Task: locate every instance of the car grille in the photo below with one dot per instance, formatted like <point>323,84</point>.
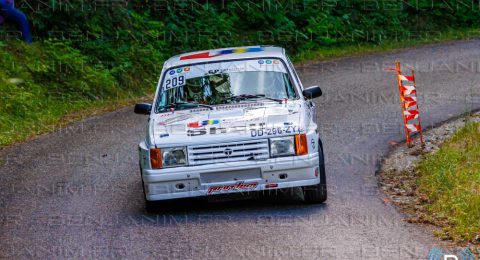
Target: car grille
<point>228,152</point>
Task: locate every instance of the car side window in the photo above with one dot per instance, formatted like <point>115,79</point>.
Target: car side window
<point>294,72</point>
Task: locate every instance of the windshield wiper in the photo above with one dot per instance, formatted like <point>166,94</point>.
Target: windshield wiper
<point>178,104</point>
<point>248,96</point>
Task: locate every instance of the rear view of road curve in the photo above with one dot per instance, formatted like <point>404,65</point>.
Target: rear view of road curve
<point>77,192</point>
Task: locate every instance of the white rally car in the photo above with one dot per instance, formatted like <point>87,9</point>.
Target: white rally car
<point>229,121</point>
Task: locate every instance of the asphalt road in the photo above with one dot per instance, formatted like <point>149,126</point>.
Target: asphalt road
<point>77,193</point>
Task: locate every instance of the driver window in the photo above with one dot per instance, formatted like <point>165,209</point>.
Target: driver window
<point>297,79</point>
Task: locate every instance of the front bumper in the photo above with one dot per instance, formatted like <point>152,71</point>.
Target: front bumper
<point>232,177</point>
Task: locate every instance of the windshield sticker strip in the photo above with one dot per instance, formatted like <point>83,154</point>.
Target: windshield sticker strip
<point>208,55</point>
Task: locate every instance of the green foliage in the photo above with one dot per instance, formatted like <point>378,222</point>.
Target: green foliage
<point>89,51</point>
<point>107,30</point>
<point>451,180</point>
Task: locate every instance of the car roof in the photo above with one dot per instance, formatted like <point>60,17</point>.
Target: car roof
<point>225,54</point>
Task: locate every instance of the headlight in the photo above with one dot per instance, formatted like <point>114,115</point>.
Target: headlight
<point>172,157</point>
<point>282,146</point>
<point>168,157</point>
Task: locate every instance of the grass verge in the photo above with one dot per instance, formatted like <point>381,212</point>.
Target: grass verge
<point>450,179</point>
<point>46,85</point>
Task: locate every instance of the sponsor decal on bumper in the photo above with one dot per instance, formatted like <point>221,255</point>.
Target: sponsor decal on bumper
<point>232,187</point>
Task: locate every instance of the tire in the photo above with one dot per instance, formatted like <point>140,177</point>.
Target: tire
<point>151,206</point>
<point>317,193</point>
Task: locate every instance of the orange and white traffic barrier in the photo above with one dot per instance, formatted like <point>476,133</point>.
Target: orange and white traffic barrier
<point>409,103</point>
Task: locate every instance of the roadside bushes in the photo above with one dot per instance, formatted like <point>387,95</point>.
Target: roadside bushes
<point>132,38</point>
<point>104,29</point>
<point>89,51</point>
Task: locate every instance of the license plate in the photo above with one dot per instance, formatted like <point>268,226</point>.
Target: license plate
<point>230,176</point>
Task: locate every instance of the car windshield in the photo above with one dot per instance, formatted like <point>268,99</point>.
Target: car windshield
<point>218,83</point>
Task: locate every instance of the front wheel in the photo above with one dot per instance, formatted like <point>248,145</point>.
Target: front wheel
<point>317,193</point>
<point>151,206</point>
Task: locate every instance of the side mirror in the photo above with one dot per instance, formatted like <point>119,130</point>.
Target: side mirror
<point>143,108</point>
<point>312,92</point>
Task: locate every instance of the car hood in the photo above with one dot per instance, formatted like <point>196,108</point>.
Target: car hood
<point>227,123</point>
